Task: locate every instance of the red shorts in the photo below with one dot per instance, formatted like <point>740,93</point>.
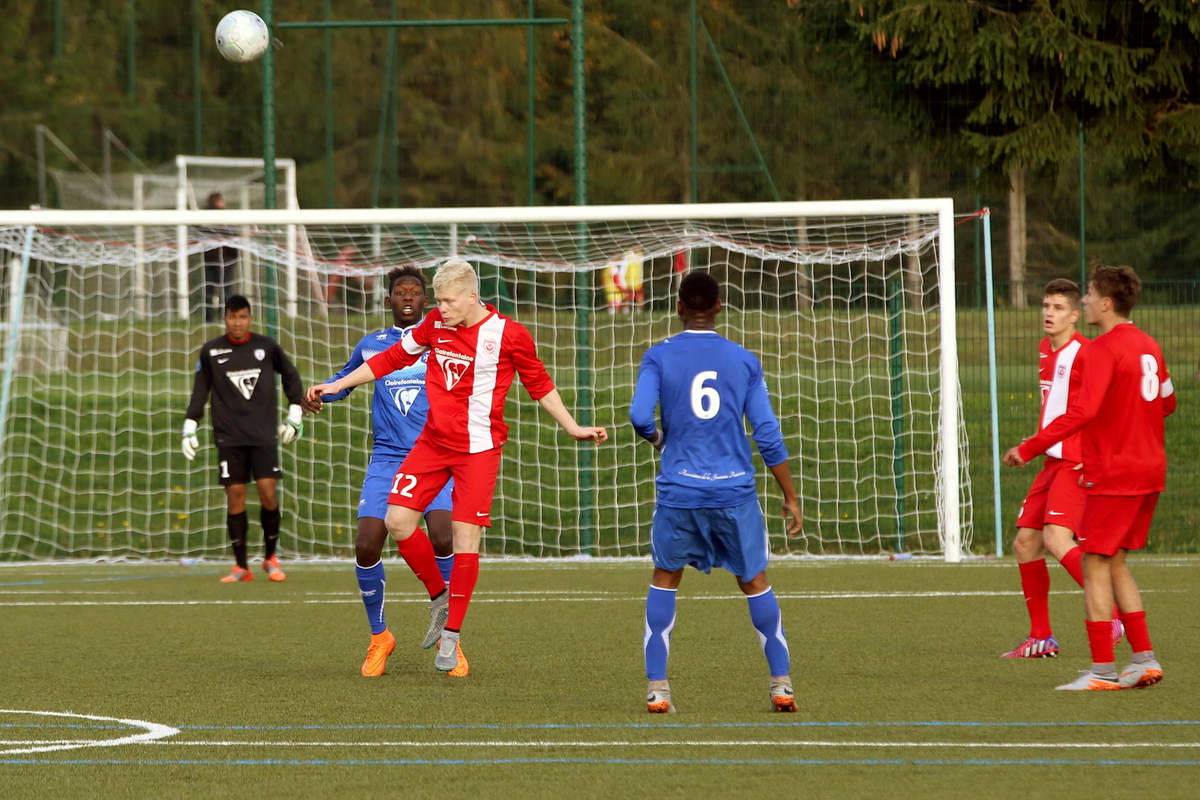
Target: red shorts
<point>428,467</point>
<point>1113,522</point>
<point>1055,498</point>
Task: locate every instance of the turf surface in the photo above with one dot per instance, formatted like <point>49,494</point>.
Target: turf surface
<point>900,687</point>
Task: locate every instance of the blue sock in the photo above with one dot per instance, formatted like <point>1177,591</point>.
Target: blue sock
<point>370,585</point>
<point>764,613</point>
<point>445,564</point>
<point>660,621</point>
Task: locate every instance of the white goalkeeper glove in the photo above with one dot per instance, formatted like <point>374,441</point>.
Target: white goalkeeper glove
<point>190,443</point>
<point>290,431</point>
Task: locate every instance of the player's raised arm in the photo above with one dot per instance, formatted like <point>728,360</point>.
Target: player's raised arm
<point>313,404</point>
<point>400,355</point>
<point>361,374</point>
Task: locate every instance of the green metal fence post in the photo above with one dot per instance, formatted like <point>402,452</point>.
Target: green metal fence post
<point>583,288</point>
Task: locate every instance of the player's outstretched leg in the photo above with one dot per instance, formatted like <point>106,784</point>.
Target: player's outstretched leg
<point>656,647</point>
<point>237,526</point>
<point>1103,674</point>
<point>269,517</point>
<point>1035,586</point>
<point>1144,670</point>
<point>371,582</point>
<point>463,578</point>
<point>768,621</point>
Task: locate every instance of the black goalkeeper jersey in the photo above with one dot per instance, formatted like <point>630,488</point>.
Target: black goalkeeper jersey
<point>241,378</point>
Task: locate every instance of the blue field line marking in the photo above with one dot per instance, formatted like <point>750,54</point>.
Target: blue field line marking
<point>698,725</point>
<point>698,762</point>
<point>108,579</point>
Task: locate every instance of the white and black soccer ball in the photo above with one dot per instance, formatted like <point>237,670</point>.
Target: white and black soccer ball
<point>242,36</point>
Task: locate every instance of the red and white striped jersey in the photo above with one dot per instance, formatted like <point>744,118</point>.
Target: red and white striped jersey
<point>1124,395</point>
<point>467,379</point>
<point>1059,380</point>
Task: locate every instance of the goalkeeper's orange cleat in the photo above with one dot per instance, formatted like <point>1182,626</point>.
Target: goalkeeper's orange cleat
<point>271,567</point>
<point>382,645</point>
<point>238,575</point>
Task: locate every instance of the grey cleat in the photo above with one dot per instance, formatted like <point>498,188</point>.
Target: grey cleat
<point>439,609</point>
<point>1137,676</point>
<point>447,655</point>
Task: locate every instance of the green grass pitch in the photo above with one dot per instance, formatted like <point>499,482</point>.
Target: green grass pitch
<point>900,687</point>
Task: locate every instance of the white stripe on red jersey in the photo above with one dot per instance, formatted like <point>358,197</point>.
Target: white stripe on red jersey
<point>1059,381</point>
<point>470,371</point>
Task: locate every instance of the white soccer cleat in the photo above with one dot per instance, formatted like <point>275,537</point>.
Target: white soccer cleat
<point>658,698</point>
<point>1088,681</point>
<point>447,656</point>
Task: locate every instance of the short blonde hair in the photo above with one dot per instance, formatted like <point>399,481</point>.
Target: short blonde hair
<point>457,272</point>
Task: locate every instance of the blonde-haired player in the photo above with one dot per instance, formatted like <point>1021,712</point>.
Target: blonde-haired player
<point>475,352</point>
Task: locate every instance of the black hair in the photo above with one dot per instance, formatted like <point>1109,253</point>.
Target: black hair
<point>699,291</point>
<point>1068,289</point>
<point>407,271</point>
<point>236,302</point>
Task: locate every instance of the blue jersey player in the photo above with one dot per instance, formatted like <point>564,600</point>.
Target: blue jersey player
<point>398,411</point>
<point>707,512</point>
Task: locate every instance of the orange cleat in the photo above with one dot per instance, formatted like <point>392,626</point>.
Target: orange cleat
<point>238,575</point>
<point>271,567</point>
<point>382,645</point>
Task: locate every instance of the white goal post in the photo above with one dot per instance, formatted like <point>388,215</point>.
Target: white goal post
<point>849,304</point>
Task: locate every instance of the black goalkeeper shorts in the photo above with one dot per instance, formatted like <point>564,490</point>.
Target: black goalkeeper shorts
<point>240,464</point>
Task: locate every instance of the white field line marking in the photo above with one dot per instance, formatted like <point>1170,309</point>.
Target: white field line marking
<point>541,597</point>
<point>151,731</point>
<point>702,743</point>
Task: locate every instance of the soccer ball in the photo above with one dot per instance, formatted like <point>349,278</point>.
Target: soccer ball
<point>242,36</point>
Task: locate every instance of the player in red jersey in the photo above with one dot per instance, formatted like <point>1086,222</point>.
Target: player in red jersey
<point>1126,392</point>
<point>475,352</point>
<point>1053,508</point>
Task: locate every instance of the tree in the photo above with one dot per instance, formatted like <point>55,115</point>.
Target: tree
<point>1016,80</point>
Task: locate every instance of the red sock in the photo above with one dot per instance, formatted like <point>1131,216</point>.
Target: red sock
<point>419,529</point>
<point>418,553</point>
<point>463,575</point>
<point>1100,640</point>
<point>1072,562</point>
<point>1136,632</point>
<point>1035,585</point>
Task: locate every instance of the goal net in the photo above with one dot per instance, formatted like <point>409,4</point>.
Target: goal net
<point>850,306</point>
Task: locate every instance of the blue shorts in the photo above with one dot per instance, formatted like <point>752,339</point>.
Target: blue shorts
<point>733,538</point>
<point>373,502</point>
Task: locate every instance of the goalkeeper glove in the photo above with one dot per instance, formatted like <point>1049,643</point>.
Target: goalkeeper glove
<point>190,443</point>
<point>291,430</point>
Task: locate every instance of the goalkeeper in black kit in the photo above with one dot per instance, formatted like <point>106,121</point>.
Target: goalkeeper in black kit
<point>239,370</point>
